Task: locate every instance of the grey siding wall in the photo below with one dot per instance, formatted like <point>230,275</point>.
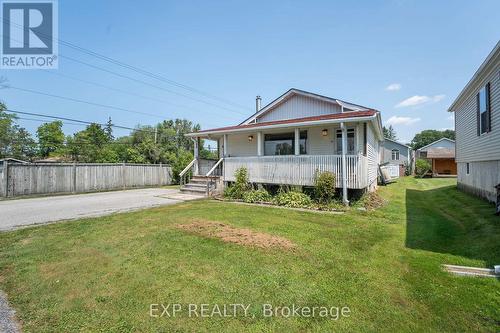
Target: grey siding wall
<point>299,107</point>
<point>386,152</point>
<point>482,178</point>
<point>29,179</point>
<point>469,146</point>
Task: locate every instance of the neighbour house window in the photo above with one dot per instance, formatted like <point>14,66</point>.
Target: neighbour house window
<point>483,110</point>
<point>350,141</point>
<point>395,154</point>
<point>284,143</point>
<point>468,168</point>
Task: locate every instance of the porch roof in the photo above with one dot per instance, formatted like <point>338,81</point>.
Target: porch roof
<point>315,120</point>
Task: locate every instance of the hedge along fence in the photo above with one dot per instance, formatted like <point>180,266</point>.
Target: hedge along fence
<point>27,179</point>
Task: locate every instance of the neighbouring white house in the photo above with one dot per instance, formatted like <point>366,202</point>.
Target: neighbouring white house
<point>477,126</point>
<point>441,155</point>
<point>398,155</point>
<point>290,139</point>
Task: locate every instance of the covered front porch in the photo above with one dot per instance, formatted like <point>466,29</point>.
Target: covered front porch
<point>299,170</point>
<point>293,156</point>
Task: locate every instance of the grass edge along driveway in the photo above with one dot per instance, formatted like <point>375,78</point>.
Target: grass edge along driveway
<point>103,274</point>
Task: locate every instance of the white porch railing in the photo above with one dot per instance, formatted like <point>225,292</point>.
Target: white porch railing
<point>298,170</point>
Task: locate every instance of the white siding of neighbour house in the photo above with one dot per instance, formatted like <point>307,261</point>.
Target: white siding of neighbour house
<point>469,146</point>
<point>386,152</point>
<point>299,107</point>
<point>440,144</point>
<point>482,178</point>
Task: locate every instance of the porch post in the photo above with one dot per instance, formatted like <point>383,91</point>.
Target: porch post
<point>196,154</point>
<point>259,144</point>
<point>344,165</point>
<point>297,141</point>
<point>225,145</point>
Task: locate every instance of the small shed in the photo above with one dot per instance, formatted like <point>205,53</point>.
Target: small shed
<point>441,155</point>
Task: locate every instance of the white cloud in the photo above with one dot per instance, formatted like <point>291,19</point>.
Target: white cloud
<point>393,87</point>
<point>395,120</point>
<point>451,117</point>
<point>419,100</point>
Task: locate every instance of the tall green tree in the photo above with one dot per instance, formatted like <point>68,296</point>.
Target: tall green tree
<point>6,131</point>
<point>390,133</point>
<point>50,137</point>
<point>109,129</point>
<point>428,136</point>
<point>24,146</point>
<point>92,146</point>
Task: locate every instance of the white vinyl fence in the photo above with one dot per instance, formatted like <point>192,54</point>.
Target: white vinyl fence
<point>27,179</point>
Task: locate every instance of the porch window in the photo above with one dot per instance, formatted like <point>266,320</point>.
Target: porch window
<point>284,143</point>
<point>350,141</point>
<point>395,154</point>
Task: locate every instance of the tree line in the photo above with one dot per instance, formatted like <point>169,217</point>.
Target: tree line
<point>164,143</point>
<point>421,139</point>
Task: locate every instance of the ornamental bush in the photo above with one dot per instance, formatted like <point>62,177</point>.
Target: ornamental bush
<point>293,199</point>
<point>422,166</point>
<point>240,186</point>
<point>257,196</point>
<point>324,186</point>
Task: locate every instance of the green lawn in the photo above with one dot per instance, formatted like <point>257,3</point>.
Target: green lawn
<point>102,274</point>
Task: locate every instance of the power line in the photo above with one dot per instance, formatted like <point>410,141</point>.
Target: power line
<point>80,101</point>
<point>142,82</point>
<point>77,120</point>
<point>137,69</point>
<point>120,90</point>
<point>147,83</point>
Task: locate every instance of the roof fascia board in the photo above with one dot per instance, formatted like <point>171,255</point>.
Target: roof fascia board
<point>287,125</point>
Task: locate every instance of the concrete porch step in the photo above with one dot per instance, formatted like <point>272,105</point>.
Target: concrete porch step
<point>194,190</point>
<point>196,185</point>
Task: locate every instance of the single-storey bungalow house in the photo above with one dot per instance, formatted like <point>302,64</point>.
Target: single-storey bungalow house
<point>290,139</point>
<point>441,155</point>
<point>477,126</point>
<point>398,154</point>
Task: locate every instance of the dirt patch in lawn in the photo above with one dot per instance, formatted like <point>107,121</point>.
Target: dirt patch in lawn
<point>373,200</point>
<point>234,235</point>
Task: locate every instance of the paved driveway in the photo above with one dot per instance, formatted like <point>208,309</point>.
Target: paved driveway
<point>23,212</point>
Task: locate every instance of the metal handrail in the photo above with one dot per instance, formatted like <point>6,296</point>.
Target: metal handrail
<point>215,167</point>
<point>211,178</point>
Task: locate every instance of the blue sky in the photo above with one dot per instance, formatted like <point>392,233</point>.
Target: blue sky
<point>408,59</point>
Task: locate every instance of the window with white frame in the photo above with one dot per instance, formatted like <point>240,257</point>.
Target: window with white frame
<point>350,142</point>
<point>395,154</point>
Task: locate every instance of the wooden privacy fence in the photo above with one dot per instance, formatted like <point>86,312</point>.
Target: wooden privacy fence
<point>27,179</point>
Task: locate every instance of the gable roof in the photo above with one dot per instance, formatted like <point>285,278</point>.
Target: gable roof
<point>334,117</point>
<point>432,143</point>
<point>441,152</point>
<point>292,92</point>
<point>487,65</point>
<point>399,143</point>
